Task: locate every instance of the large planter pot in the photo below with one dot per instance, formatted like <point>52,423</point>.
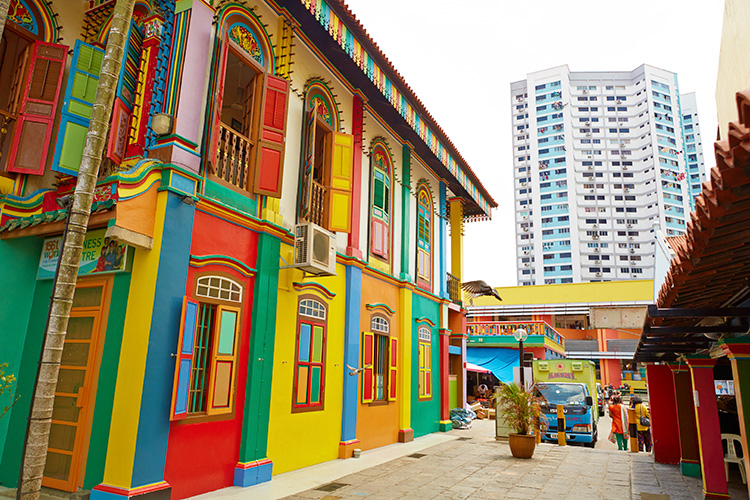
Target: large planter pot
<point>522,445</point>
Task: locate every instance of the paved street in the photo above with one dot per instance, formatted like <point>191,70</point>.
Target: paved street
<point>472,465</point>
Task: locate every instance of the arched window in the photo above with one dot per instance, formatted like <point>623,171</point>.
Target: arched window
<point>379,361</point>
<point>309,361</point>
<point>246,147</point>
<point>381,182</point>
<point>424,335</point>
<point>208,349</point>
<point>424,236</point>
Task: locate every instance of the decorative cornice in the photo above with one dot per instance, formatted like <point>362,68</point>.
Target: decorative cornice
<point>381,307</point>
<point>222,260</point>
<point>313,287</point>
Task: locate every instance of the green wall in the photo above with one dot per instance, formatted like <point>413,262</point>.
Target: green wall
<point>20,259</point>
<point>105,389</point>
<point>425,414</point>
<point>31,311</point>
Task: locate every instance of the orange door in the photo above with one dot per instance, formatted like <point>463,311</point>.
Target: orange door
<point>70,417</point>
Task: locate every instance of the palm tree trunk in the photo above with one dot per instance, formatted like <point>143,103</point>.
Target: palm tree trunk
<point>4,6</point>
<point>37,438</point>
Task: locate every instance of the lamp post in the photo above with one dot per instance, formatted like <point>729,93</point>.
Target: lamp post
<point>520,335</point>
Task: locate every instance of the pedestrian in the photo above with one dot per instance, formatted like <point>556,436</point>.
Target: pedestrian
<point>643,425</point>
<point>618,413</point>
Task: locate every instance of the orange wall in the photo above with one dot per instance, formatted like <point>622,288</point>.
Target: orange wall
<point>377,423</point>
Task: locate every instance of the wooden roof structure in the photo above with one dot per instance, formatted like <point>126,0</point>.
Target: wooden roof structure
<point>710,274</point>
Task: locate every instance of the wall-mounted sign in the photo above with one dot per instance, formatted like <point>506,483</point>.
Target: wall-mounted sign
<point>724,387</point>
<point>100,255</point>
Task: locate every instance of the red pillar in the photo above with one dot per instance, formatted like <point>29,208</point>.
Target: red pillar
<point>683,397</point>
<point>664,429</point>
<point>709,433</point>
<point>353,244</point>
<point>445,420</point>
<point>612,369</point>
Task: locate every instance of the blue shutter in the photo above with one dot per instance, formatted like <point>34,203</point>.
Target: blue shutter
<point>184,364</point>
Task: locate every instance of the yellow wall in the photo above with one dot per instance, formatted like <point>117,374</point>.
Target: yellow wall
<point>571,293</point>
<point>298,440</point>
<point>734,65</point>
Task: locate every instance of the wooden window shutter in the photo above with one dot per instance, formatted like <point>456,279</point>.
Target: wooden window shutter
<point>213,144</point>
<point>184,363</point>
<point>33,132</point>
<point>128,80</point>
<point>78,104</point>
<point>305,202</point>
<point>428,370</point>
<point>393,369</point>
<point>340,192</point>
<point>269,163</point>
<point>368,359</point>
<point>224,362</point>
<point>380,238</point>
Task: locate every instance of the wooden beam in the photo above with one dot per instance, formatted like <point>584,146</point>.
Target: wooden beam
<point>710,312</point>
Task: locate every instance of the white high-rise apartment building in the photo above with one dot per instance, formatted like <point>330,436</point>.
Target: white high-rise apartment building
<point>600,161</point>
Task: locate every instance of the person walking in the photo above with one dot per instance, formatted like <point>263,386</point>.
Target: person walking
<point>618,413</point>
<point>644,431</point>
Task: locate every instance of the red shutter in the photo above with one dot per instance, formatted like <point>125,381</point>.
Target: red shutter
<point>393,369</point>
<point>33,131</point>
<point>184,363</point>
<point>368,358</point>
<point>219,98</point>
<point>269,164</point>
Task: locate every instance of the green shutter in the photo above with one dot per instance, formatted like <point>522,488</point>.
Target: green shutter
<point>80,92</point>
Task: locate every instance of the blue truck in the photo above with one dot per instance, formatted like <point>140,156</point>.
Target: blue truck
<point>572,384</point>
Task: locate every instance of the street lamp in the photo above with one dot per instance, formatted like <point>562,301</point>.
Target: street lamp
<point>520,335</point>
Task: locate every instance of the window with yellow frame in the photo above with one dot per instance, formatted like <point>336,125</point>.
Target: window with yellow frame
<point>425,362</point>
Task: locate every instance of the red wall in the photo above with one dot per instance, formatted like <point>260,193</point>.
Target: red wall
<point>664,427</point>
<point>201,457</point>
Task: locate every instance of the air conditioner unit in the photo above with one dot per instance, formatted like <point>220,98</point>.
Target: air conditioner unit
<point>585,91</point>
<point>519,99</point>
<point>591,190</point>
<point>596,237</point>
<point>630,226</point>
<point>630,238</point>
<point>633,275</point>
<point>627,190</point>
<point>589,157</point>
<point>591,167</point>
<point>588,134</point>
<point>588,123</point>
<point>526,230</point>
<point>526,252</point>
<point>632,250</point>
<point>523,183</point>
<point>526,264</point>
<point>596,250</point>
<point>525,217</point>
<point>624,167</point>
<point>619,101</point>
<point>314,249</point>
<point>595,226</point>
<point>598,275</point>
<point>597,262</point>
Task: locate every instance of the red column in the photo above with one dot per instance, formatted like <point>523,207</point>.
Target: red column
<point>353,245</point>
<point>145,87</point>
<point>664,429</point>
<point>444,358</point>
<point>709,433</point>
<point>683,396</point>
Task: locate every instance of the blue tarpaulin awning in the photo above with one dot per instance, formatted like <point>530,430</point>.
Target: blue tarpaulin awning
<point>498,360</point>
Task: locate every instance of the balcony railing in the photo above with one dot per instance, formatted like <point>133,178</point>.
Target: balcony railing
<point>233,156</point>
<point>508,327</point>
<point>454,288</point>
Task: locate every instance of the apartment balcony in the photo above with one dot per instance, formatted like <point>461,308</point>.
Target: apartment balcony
<point>500,334</point>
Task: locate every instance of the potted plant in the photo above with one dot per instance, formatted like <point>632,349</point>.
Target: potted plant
<point>520,410</point>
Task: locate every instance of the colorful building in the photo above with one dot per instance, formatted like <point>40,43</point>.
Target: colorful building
<point>270,275</point>
<point>596,321</point>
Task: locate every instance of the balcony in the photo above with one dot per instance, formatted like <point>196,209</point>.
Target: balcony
<point>233,158</point>
<point>501,332</point>
<point>454,288</point>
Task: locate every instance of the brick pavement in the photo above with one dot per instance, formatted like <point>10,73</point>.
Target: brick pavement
<point>481,468</point>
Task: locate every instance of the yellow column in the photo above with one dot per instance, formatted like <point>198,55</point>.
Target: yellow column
<point>457,237</point>
<point>405,432</point>
<point>270,210</point>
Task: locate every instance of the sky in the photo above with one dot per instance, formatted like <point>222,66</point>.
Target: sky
<point>459,57</point>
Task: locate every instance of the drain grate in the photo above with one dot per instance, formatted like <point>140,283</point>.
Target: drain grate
<point>330,487</point>
<point>463,439</point>
<point>416,455</point>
